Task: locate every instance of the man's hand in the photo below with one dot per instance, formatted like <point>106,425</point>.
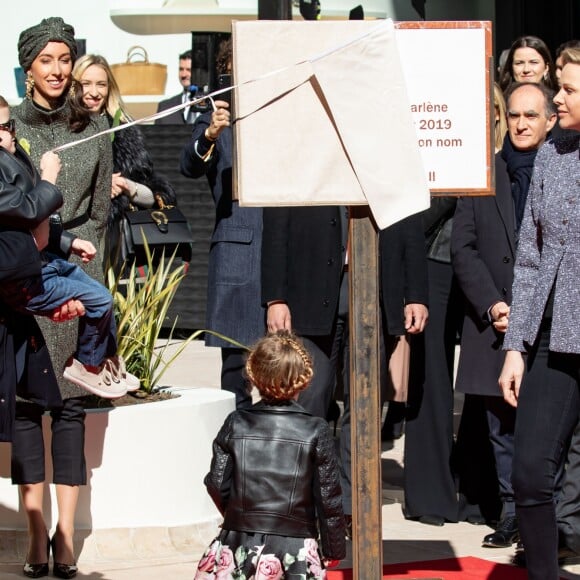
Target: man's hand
<point>278,317</point>
<point>416,316</point>
<point>68,311</point>
<point>510,379</point>
<point>84,249</point>
<point>220,119</point>
<point>500,313</point>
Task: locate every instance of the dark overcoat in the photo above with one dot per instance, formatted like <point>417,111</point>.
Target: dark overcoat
<point>302,261</point>
<point>403,270</point>
<point>483,252</point>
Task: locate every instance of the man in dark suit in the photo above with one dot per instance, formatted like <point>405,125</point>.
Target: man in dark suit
<point>305,289</point>
<point>185,115</point>
<point>303,267</point>
<point>483,248</point>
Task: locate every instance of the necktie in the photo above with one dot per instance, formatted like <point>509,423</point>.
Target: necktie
<point>190,116</point>
<point>187,111</point>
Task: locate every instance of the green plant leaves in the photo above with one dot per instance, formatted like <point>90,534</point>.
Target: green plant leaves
<point>142,299</point>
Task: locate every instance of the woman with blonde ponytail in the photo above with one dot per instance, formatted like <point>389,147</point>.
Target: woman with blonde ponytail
<point>134,181</point>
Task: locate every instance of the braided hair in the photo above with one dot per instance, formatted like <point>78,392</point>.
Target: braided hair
<point>279,366</point>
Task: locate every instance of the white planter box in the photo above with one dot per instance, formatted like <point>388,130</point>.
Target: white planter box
<point>145,465</point>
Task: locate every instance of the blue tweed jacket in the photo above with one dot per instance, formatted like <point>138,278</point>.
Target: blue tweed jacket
<point>549,251</point>
<point>234,301</point>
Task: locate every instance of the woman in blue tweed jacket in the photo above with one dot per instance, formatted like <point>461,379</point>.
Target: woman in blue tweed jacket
<point>543,337</point>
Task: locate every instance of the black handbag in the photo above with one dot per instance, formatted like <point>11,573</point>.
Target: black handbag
<point>166,230</point>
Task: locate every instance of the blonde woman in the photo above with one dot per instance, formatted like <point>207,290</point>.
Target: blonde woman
<point>543,336</point>
<point>134,179</point>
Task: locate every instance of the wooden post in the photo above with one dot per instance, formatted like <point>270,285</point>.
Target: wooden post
<point>364,311</point>
<point>365,396</point>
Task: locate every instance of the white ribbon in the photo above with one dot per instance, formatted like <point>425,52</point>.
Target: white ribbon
<point>210,96</point>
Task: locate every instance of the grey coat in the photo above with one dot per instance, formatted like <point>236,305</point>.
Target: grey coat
<point>549,252</point>
<point>85,182</point>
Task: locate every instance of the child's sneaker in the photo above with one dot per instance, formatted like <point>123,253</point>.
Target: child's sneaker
<point>131,381</point>
<point>105,383</point>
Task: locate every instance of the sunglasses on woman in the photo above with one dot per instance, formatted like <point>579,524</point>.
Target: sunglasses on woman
<point>9,126</point>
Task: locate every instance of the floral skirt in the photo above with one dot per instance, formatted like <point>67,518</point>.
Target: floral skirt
<point>244,556</point>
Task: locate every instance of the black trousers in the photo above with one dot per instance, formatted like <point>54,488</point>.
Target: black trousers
<point>473,463</point>
<point>328,353</point>
<point>429,483</point>
<point>233,378</point>
<point>548,407</point>
<point>67,447</point>
<point>501,419</point>
<point>568,507</point>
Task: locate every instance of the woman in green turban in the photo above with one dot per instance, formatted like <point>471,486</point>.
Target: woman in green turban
<point>47,118</point>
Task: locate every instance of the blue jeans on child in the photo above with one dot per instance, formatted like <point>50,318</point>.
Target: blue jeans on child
<point>59,282</point>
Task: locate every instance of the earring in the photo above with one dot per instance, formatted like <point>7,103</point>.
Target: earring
<point>72,90</point>
<point>29,86</point>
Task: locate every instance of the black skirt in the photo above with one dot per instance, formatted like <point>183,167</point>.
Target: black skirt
<point>246,556</point>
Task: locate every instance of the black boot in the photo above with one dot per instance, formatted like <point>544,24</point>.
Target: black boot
<point>505,534</point>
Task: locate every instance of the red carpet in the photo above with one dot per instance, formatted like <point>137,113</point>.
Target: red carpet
<point>449,569</point>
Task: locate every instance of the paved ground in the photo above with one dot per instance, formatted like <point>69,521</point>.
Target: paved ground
<point>402,540</point>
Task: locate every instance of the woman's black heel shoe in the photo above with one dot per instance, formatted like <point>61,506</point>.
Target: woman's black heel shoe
<point>61,570</point>
<point>394,425</point>
<point>37,570</point>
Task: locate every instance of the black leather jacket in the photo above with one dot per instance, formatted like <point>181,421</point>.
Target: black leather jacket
<point>274,471</point>
<point>25,201</point>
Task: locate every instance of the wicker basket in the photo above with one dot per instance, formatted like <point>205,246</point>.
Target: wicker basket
<point>140,77</point>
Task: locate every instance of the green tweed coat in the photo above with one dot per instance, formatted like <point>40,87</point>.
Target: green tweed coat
<point>85,182</point>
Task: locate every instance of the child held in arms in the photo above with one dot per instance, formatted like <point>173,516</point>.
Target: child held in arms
<point>45,281</point>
